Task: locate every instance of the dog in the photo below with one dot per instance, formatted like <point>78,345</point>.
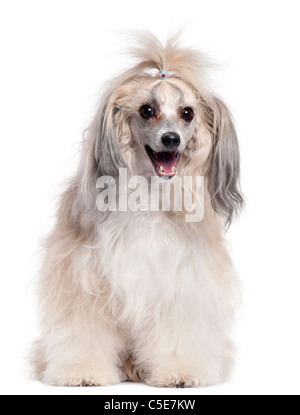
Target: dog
<point>145,295</point>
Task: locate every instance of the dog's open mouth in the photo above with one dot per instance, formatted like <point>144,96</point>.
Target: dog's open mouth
<point>165,162</point>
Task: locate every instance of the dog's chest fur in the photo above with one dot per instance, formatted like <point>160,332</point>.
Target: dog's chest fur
<point>157,265</point>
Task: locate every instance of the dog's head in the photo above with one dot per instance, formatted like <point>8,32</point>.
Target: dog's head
<point>160,119</point>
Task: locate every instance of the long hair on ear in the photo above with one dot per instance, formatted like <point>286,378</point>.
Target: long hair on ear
<point>224,162</point>
<point>103,141</point>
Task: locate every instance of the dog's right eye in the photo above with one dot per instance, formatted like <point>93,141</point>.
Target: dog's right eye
<point>146,112</point>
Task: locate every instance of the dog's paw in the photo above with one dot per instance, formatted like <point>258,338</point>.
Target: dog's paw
<point>89,381</point>
<point>176,380</point>
<point>80,377</point>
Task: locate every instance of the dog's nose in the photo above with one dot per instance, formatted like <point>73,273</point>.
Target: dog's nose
<point>171,140</point>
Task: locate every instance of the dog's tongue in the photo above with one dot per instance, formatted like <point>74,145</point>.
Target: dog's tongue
<point>166,163</point>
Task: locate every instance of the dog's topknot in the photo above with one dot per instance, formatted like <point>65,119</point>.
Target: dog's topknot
<point>151,56</point>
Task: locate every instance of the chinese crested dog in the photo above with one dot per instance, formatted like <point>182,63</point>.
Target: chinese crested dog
<point>145,294</point>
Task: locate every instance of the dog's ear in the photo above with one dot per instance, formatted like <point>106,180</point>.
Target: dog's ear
<point>102,154</point>
<point>224,162</point>
<point>108,153</point>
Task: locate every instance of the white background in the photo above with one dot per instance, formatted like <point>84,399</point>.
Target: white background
<point>54,57</point>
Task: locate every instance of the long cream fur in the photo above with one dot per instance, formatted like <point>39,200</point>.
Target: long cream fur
<point>143,295</point>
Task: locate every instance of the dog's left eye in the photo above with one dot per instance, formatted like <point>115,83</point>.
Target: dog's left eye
<point>146,112</point>
<point>187,114</point>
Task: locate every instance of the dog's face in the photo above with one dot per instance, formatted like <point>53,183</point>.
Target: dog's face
<point>167,127</point>
<point>162,124</point>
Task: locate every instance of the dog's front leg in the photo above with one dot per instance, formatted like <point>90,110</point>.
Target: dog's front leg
<point>176,355</point>
<point>79,354</point>
<point>80,344</point>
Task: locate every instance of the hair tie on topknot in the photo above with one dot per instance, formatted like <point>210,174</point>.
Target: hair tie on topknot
<point>163,75</point>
